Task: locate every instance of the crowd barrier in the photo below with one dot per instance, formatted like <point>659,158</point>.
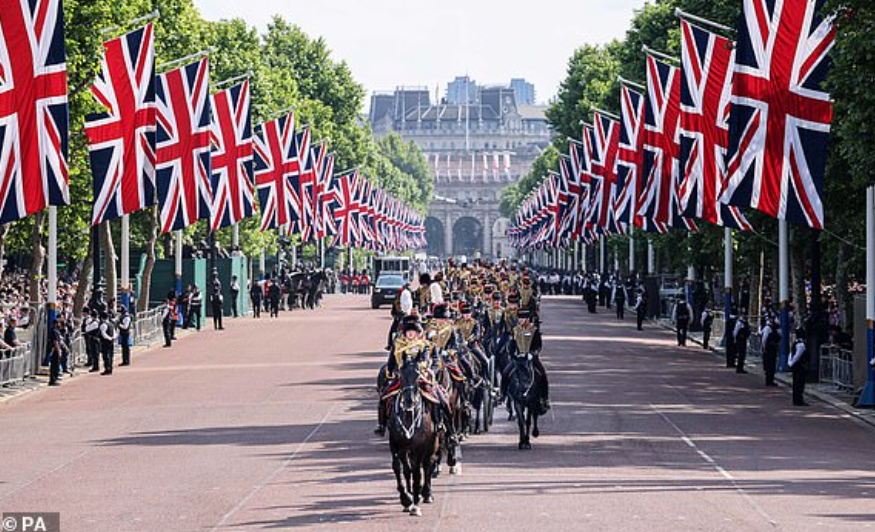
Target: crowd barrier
<point>15,365</point>
<point>837,368</point>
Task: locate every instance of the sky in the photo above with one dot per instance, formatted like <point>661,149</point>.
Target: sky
<point>390,43</point>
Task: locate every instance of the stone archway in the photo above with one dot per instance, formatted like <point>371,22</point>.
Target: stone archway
<point>500,248</point>
<point>467,236</point>
<point>434,236</point>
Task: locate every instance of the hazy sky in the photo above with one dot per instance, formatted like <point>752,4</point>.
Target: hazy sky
<point>409,42</point>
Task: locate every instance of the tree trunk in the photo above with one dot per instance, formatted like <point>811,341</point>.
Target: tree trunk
<point>84,278</point>
<point>38,253</point>
<point>797,274</point>
<point>146,284</point>
<point>109,265</point>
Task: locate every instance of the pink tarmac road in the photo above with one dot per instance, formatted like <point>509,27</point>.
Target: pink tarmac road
<point>267,426</point>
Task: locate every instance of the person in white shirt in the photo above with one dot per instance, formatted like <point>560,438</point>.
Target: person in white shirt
<point>406,300</point>
<point>124,328</point>
<point>436,291</point>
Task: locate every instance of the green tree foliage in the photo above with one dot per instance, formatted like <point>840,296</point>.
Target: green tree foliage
<point>288,68</point>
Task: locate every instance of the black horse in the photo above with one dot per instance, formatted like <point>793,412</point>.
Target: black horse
<point>524,389</point>
<point>413,440</point>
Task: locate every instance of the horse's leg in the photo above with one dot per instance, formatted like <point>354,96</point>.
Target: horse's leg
<point>408,477</point>
<point>417,483</point>
<point>535,431</point>
<point>427,496</point>
<point>406,499</point>
<point>520,419</point>
<point>528,427</point>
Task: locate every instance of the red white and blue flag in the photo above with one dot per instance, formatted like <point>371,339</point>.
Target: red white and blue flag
<point>275,162</point>
<point>232,178</point>
<point>184,143</point>
<point>121,141</point>
<point>325,198</point>
<point>604,172</point>
<point>660,163</point>
<point>345,209</point>
<point>629,154</point>
<point>33,108</point>
<point>309,185</point>
<point>706,84</point>
<point>780,117</point>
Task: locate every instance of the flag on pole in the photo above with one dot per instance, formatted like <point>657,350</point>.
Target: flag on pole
<point>274,163</point>
<point>780,117</point>
<point>232,182</point>
<point>121,141</point>
<point>33,108</point>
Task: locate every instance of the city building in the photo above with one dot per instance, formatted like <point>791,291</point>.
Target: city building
<point>476,149</point>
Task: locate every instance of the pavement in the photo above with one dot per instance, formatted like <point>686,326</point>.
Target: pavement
<point>267,426</point>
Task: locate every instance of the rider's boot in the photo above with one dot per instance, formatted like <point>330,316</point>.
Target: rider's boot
<point>380,430</point>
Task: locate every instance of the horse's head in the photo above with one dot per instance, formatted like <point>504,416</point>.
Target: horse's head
<point>408,402</point>
<point>524,371</point>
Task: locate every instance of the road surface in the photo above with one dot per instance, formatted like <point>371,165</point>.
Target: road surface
<point>267,426</point>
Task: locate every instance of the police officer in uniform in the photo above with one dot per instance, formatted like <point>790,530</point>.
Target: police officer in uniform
<point>771,342</point>
<point>124,330</point>
<point>798,363</point>
<point>107,342</point>
<point>217,303</point>
<point>92,339</point>
<point>619,297</point>
<point>741,334</point>
<point>682,315</point>
<point>256,293</point>
<point>235,293</point>
<point>707,324</point>
<point>641,308</point>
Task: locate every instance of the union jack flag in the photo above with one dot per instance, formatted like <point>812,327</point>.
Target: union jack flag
<point>33,108</point>
<point>184,136</point>
<point>345,209</point>
<point>604,170</point>
<point>309,195</point>
<point>325,195</point>
<point>780,117</point>
<point>661,147</point>
<point>122,140</point>
<point>275,162</point>
<point>300,218</point>
<point>629,154</point>
<point>233,188</point>
<point>706,82</point>
<point>580,169</point>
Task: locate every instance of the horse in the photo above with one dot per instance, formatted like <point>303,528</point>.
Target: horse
<point>524,389</point>
<point>450,445</point>
<point>413,440</point>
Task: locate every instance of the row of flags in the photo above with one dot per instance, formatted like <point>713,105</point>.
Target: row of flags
<point>166,139</point>
<point>737,125</point>
<point>485,166</point>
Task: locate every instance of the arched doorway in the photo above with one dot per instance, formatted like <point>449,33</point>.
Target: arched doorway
<point>500,248</point>
<point>434,236</point>
<point>467,237</point>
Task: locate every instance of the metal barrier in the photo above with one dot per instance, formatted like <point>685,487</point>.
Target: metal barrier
<point>15,365</point>
<point>147,326</point>
<point>837,367</point>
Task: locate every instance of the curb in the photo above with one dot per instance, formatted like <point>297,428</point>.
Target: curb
<point>865,416</point>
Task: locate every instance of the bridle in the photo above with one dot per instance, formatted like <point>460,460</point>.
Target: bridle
<point>415,411</point>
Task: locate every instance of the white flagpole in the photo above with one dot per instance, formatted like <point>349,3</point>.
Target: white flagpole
<point>783,292</point>
<point>650,261</point>
<point>53,266</point>
<point>235,240</point>
<point>178,265</point>
<point>125,280</point>
<point>867,397</point>
<point>602,254</point>
<point>631,253</point>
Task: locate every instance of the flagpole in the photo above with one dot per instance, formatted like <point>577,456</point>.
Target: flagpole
<point>650,261</point>
<point>602,254</point>
<point>52,299</point>
<point>727,279</point>
<point>95,236</point>
<point>576,255</point>
<point>235,240</point>
<point>783,292</point>
<point>231,80</point>
<point>145,18</point>
<point>125,281</point>
<point>164,66</point>
<point>631,253</point>
<point>178,261</point>
<point>867,397</point>
<point>679,13</point>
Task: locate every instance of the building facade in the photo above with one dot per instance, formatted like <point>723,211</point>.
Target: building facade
<point>476,149</point>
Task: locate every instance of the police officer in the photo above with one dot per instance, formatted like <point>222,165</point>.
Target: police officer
<point>56,348</point>
<point>730,338</point>
<point>641,308</point>
<point>619,297</point>
<point>196,303</point>
<point>798,363</point>
<point>274,294</point>
<point>771,341</point>
<point>741,333</point>
<point>235,293</point>
<point>682,315</point>
<point>217,304</point>
<point>92,339</point>
<point>124,330</point>
<point>707,324</point>
<point>107,342</point>
<point>168,318</point>
<point>256,293</point>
